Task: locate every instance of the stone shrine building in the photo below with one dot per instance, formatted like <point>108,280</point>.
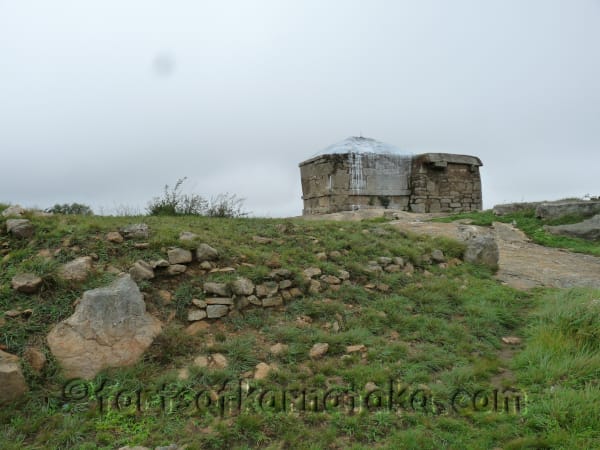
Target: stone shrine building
<point>360,173</point>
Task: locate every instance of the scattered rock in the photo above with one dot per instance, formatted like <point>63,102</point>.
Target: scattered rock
<point>319,350</point>
<point>280,274</point>
<point>28,283</point>
<point>199,303</point>
<point>109,328</point>
<point>35,358</point>
<point>262,240</point>
<point>311,272</point>
<point>141,270</point>
<point>437,256</point>
<point>272,301</point>
<point>330,279</point>
<point>12,313</point>
<point>141,245</point>
<point>343,274</point>
<point>176,269</point>
<point>165,296</point>
<point>278,349</point>
<point>20,228</point>
<point>373,268</point>
<point>201,361</point>
<point>409,269</point>
<point>187,236</point>
<point>216,311</point>
<point>136,231</point>
<point>262,371</point>
<point>220,289</point>
<point>392,268</point>
<point>12,382</point>
<point>13,211</point>
<point>511,340</point>
<point>76,270</point>
<point>196,314</point>
<point>205,252</point>
<point>179,256</point>
<point>314,287</point>
<point>254,300</point>
<point>398,260</point>
<point>356,348</point>
<point>218,361</point>
<point>370,387</point>
<point>114,237</point>
<point>159,263</point>
<point>482,249</point>
<point>322,256</point>
<point>267,289</point>
<point>285,284</point>
<point>219,301</point>
<point>242,286</point>
<point>197,327</point>
<point>206,265</point>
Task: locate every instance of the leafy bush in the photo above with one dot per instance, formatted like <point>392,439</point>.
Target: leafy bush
<point>226,205</point>
<point>175,203</point>
<point>73,208</point>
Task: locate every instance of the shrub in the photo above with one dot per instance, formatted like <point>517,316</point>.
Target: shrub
<point>73,208</point>
<point>226,205</point>
<point>175,203</point>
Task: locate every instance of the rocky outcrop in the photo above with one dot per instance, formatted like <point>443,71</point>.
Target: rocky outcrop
<point>588,229</point>
<point>110,328</point>
<point>559,209</point>
<point>12,382</point>
<point>19,228</point>
<point>511,208</point>
<point>13,211</point>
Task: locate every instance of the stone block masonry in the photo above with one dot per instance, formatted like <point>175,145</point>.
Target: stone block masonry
<point>362,179</point>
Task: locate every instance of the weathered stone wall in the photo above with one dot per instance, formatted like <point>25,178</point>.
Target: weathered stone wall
<point>425,183</point>
<point>345,182</point>
<point>443,182</point>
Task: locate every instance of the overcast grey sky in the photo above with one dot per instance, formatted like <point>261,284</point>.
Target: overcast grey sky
<point>104,102</point>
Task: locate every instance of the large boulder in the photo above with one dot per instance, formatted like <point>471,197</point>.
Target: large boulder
<point>482,249</point>
<point>13,211</point>
<point>556,210</point>
<point>20,228</point>
<point>12,382</point>
<point>588,229</point>
<point>109,328</point>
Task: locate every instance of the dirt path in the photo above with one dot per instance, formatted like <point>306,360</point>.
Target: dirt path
<point>523,264</point>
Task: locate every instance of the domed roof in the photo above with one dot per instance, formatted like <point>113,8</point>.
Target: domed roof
<point>355,144</point>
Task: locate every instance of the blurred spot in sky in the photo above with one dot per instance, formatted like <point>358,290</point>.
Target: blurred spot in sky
<point>164,64</point>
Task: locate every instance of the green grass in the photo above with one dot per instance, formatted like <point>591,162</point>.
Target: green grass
<point>533,228</point>
<point>429,334</point>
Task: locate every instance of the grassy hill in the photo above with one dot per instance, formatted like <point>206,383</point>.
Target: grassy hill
<point>436,333</point>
